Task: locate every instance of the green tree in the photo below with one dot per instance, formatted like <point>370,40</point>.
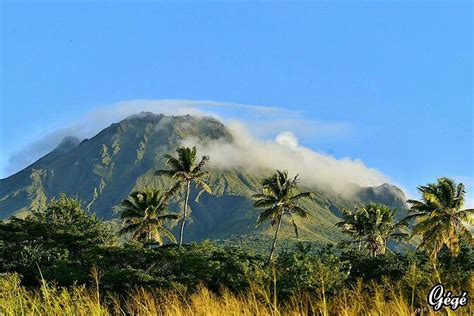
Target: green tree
<point>65,219</point>
<point>185,170</point>
<point>56,239</point>
<point>279,198</point>
<point>144,213</point>
<point>302,270</point>
<point>353,225</point>
<point>372,225</point>
<point>441,221</point>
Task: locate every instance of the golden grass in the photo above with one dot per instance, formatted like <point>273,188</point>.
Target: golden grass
<point>79,300</point>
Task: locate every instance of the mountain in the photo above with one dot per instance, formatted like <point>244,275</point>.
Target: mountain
<point>123,157</point>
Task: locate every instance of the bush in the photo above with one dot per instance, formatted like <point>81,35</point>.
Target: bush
<point>302,271</point>
<point>369,268</point>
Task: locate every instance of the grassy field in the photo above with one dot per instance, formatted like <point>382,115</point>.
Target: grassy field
<point>380,299</point>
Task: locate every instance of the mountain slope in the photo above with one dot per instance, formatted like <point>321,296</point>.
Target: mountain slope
<point>103,170</point>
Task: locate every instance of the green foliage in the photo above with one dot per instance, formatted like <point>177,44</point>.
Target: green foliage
<point>457,270</point>
<point>141,148</point>
<point>185,170</point>
<point>441,219</point>
<point>171,266</point>
<point>106,160</point>
<point>64,243</point>
<point>301,271</point>
<point>367,267</point>
<point>36,194</point>
<point>279,198</point>
<point>54,240</point>
<point>144,214</point>
<point>372,226</point>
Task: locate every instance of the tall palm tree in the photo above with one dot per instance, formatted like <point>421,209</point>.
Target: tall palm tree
<point>279,198</point>
<point>441,221</point>
<point>372,225</point>
<point>143,214</point>
<point>184,170</point>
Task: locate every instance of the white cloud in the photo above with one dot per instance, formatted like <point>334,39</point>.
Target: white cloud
<point>287,138</point>
<point>315,169</point>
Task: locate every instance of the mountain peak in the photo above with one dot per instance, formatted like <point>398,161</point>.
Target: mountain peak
<point>155,118</point>
<point>385,194</point>
<point>144,115</point>
<point>386,187</point>
<point>67,144</point>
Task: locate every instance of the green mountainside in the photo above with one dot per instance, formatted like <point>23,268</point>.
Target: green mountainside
<point>103,170</point>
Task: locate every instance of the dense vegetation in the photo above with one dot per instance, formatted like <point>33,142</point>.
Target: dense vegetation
<point>64,244</point>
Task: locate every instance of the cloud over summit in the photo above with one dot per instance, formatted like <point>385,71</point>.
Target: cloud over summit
<point>284,152</point>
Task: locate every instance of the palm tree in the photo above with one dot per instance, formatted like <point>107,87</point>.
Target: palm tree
<point>372,225</point>
<point>279,198</point>
<point>184,170</point>
<point>441,219</point>
<point>353,225</point>
<point>143,214</point>
<point>380,226</point>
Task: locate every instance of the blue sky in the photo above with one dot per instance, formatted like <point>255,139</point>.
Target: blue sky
<point>398,75</point>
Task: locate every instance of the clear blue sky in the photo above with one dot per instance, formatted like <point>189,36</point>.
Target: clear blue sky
<point>401,74</point>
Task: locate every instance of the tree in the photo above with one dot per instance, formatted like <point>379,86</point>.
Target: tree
<point>58,239</point>
<point>184,170</point>
<point>143,215</point>
<point>67,223</point>
<point>353,225</point>
<point>372,225</point>
<point>279,198</point>
<point>441,221</point>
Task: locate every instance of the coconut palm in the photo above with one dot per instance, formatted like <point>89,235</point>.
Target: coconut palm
<point>353,225</point>
<point>441,221</point>
<point>380,227</point>
<point>279,198</point>
<point>372,225</point>
<point>184,170</point>
<point>143,214</point>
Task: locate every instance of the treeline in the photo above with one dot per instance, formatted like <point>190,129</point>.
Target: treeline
<point>64,243</point>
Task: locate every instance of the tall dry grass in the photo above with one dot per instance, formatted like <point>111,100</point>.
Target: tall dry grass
<point>382,299</point>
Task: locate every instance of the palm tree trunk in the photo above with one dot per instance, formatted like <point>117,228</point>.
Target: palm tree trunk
<point>384,247</point>
<point>149,236</point>
<point>185,214</point>
<point>275,240</point>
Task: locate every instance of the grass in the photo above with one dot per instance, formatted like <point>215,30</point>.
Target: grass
<point>381,299</point>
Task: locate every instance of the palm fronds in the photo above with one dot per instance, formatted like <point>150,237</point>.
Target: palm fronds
<point>279,198</point>
<point>441,221</point>
<point>144,213</point>
<point>184,170</point>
